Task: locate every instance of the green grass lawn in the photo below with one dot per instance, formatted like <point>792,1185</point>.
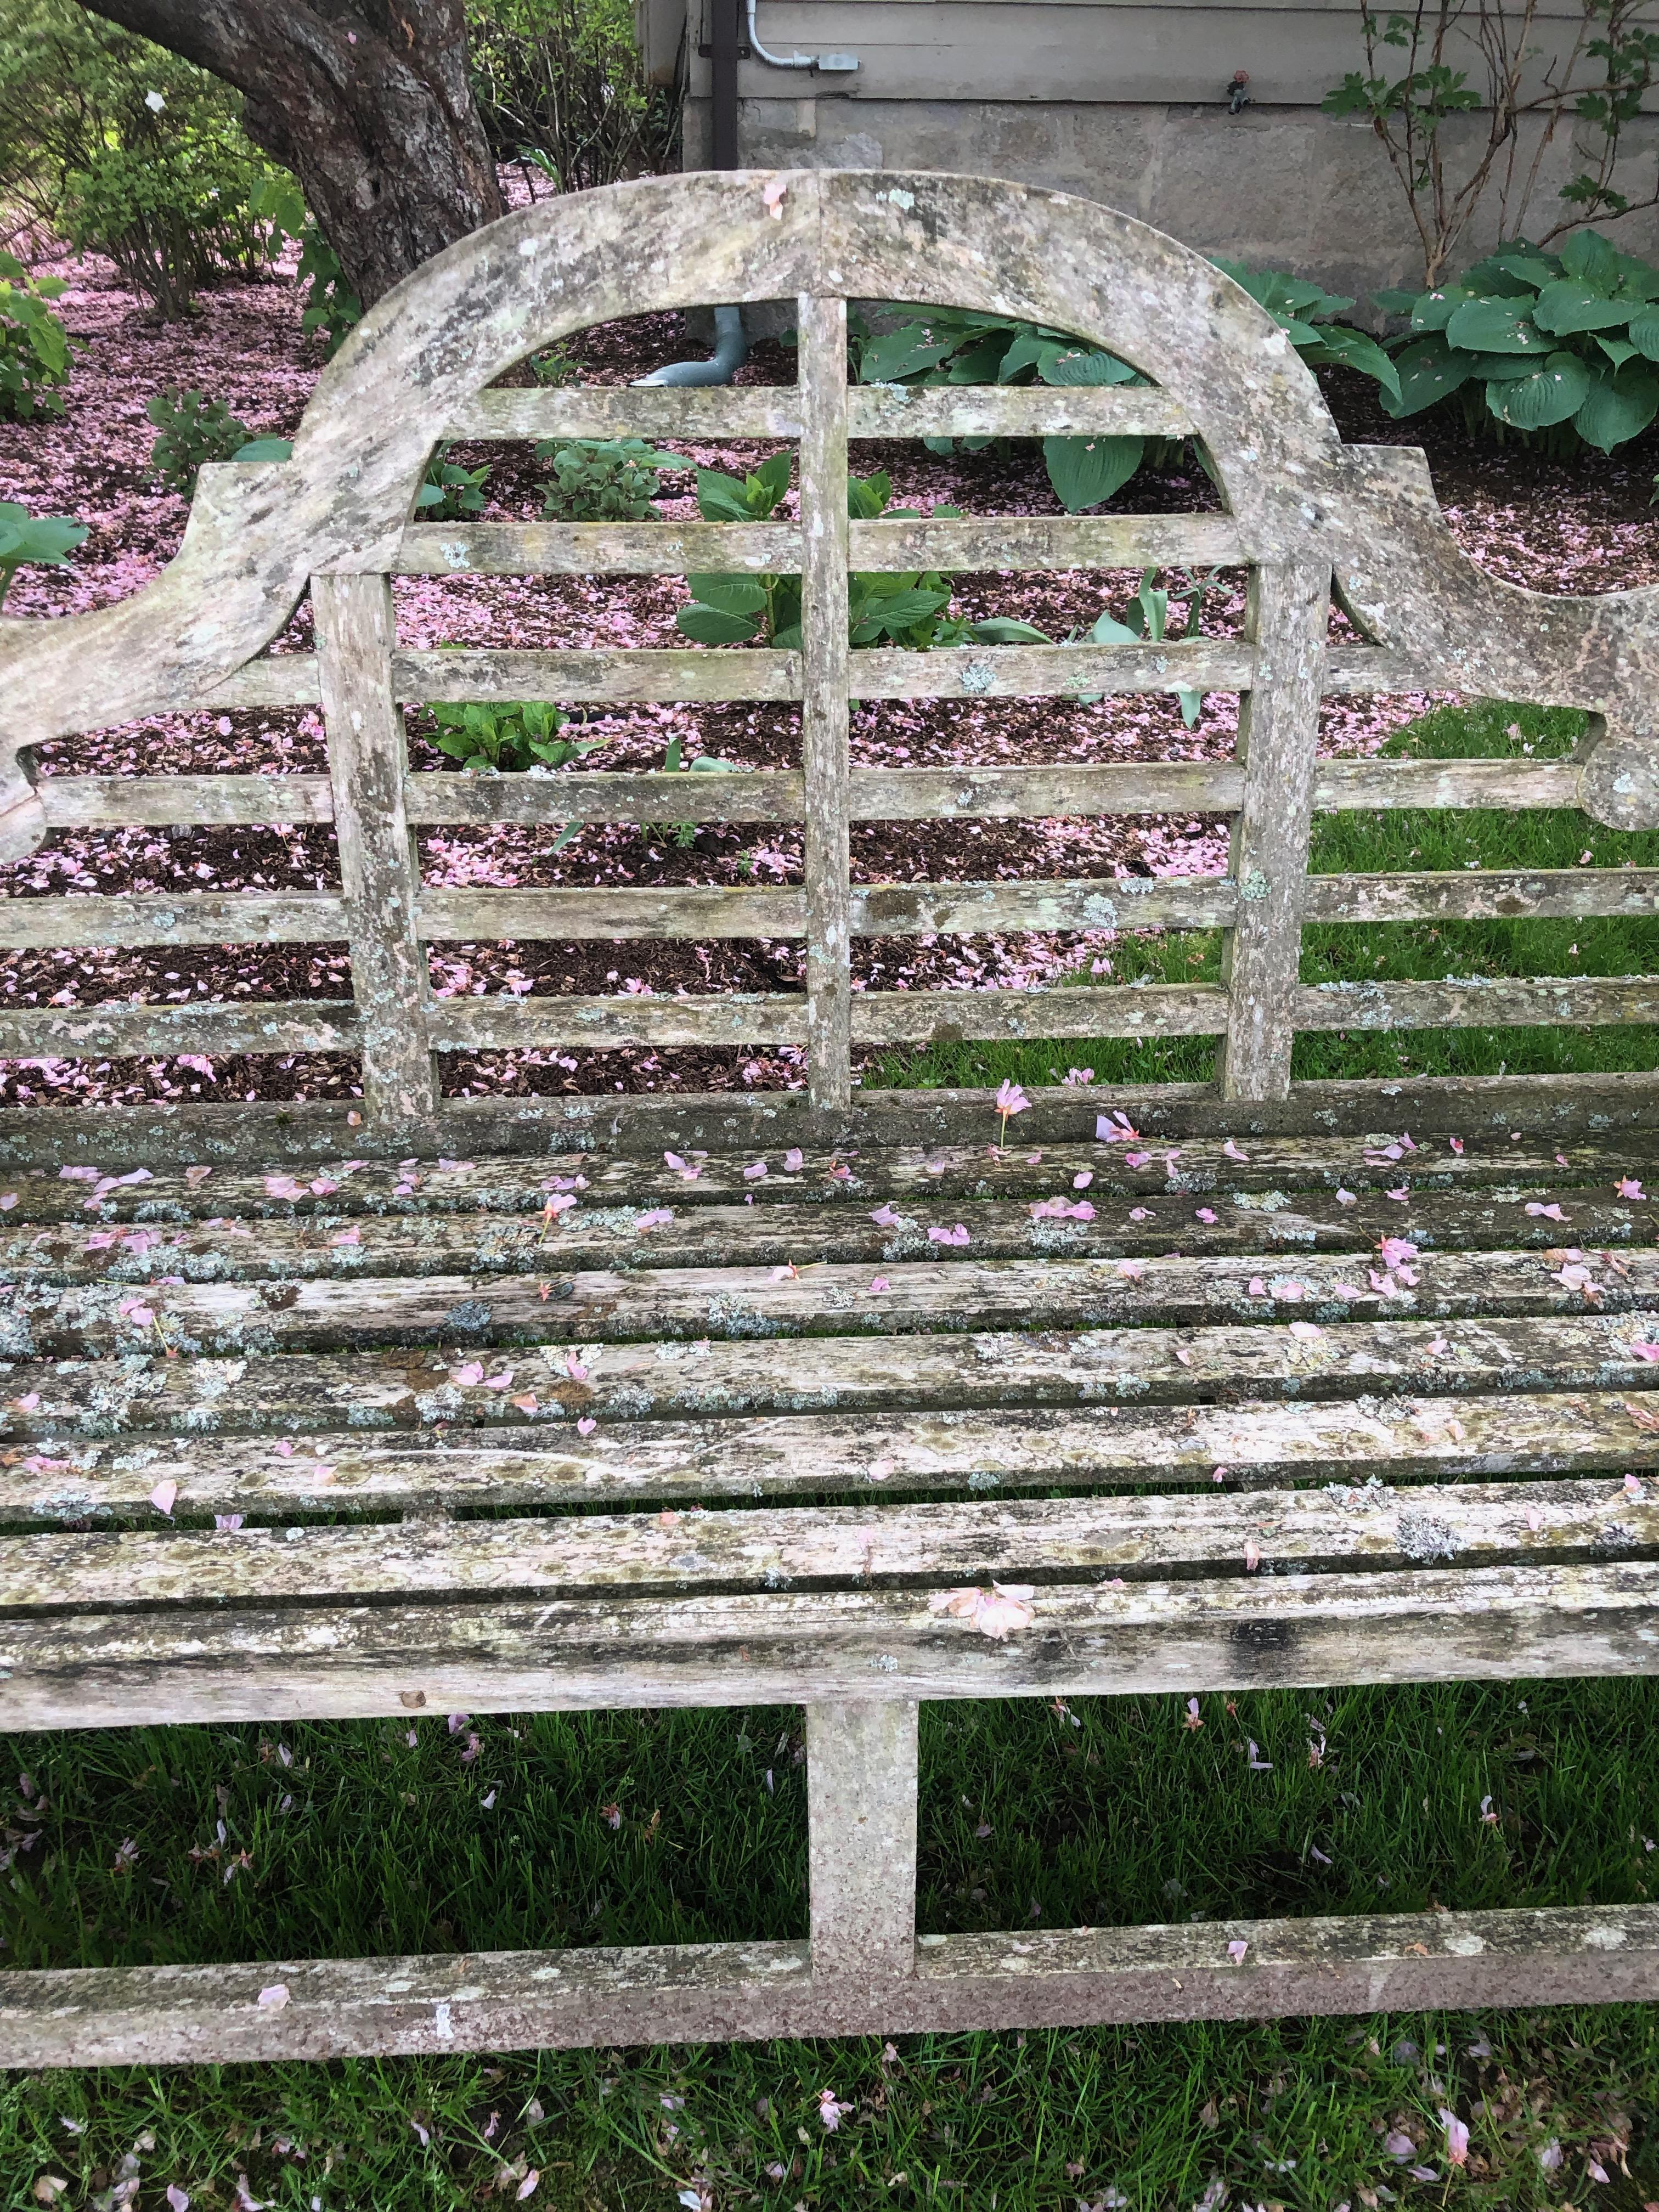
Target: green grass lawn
<point>1366,843</point>
<point>350,1839</point>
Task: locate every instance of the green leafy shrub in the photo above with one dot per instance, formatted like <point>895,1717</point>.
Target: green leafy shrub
<point>331,307</point>
<point>562,89</point>
<point>194,430</point>
<point>34,347</point>
<point>450,491</point>
<point>883,609</point>
<point>508,737</point>
<point>602,479</point>
<point>957,345</point>
<point>1554,345</point>
<point>46,539</point>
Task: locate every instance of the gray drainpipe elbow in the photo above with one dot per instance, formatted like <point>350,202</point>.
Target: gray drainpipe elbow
<point>731,351</point>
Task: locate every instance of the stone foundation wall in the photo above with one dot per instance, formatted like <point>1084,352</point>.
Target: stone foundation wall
<point>1279,187</point>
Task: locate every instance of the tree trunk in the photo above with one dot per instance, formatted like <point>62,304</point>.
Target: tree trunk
<point>367,104</point>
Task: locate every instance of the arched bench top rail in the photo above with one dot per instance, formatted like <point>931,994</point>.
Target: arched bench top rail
<point>429,349</point>
<point>1309,517</point>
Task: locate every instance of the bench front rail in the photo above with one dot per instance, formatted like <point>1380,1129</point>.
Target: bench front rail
<point>1300,1393</point>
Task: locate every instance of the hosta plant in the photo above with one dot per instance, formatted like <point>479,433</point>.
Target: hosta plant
<point>885,608</point>
<point>46,539</point>
<point>954,345</point>
<point>1560,344</point>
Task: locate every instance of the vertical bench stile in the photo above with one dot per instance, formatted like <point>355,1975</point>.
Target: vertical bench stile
<point>861,1831</point>
<point>379,872</point>
<point>1286,620</point>
<point>823,371</point>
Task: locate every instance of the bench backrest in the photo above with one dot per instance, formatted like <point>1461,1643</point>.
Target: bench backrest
<point>1308,516</point>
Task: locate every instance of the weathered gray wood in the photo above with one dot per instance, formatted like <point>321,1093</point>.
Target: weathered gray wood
<point>1480,894</point>
<point>711,1017</point>
<point>210,1025</point>
<point>1025,671</point>
<point>1621,1108</point>
<point>1045,543</point>
<point>506,1654</point>
<point>414,1398</point>
<point>632,673</point>
<point>236,1319</point>
<point>1032,410</point>
<point>875,910</point>
<point>703,1992</point>
<point>581,913</point>
<point>824,528</point>
<point>669,549</point>
<point>877,1016</point>
<point>580,549</point>
<point>774,795</point>
<point>380,870</point>
<point>604,411</point>
<point>925,1173</point>
<point>874,411</point>
<point>604,795</point>
<point>276,679</point>
<point>1287,618</point>
<point>861,1841</point>
<point>1268,1225</point>
<point>1350,1528</point>
<point>192,918</point>
<point>1475,1001</point>
<point>1353,1444</point>
<point>83,802</point>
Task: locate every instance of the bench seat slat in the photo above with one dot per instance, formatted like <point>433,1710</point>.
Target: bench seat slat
<point>964,1541</point>
<point>1016,1170</point>
<point>253,1662</point>
<point>875,1454</point>
<point>238,1318</point>
<point>595,1235</point>
<point>61,1404</point>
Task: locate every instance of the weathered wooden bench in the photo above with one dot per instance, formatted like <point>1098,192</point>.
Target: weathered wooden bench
<point>1208,1428</point>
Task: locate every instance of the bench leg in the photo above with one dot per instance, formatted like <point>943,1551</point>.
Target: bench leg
<point>861,1838</point>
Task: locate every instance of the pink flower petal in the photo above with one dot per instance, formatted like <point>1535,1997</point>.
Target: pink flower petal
<point>164,1497</point>
<point>275,1997</point>
<point>587,1425</point>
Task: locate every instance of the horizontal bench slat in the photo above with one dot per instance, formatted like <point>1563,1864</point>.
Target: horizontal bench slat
<point>605,412</point>
<point>1045,1541</point>
<point>1546,1002</point>
<point>775,795</point>
<point>404,1396</point>
<point>1146,1167</point>
<point>877,1454</point>
<point>1027,543</point>
<point>587,1235</point>
<point>1483,894</point>
<point>88,1670</point>
<point>644,1301</point>
<point>193,918</point>
<point>877,910</point>
<point>221,1025</point>
<point>583,548</point>
<point>84,802</point>
<point>873,410</point>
